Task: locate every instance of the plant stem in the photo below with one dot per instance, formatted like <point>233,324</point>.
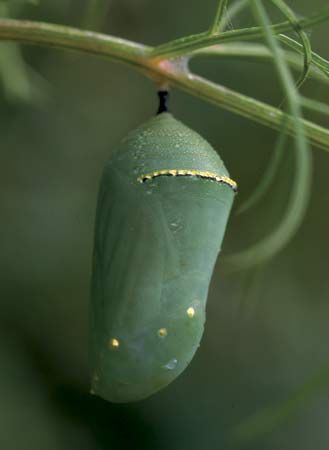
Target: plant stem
<point>249,107</point>
<point>259,52</point>
<point>270,245</point>
<point>235,9</point>
<point>305,40</point>
<point>216,26</point>
<point>317,60</point>
<point>138,55</point>
<point>53,35</point>
<point>185,45</point>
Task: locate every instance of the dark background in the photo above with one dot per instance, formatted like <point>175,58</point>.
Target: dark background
<point>267,331</point>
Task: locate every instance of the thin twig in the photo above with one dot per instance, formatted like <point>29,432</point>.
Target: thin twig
<point>216,26</point>
<point>138,55</point>
<point>185,45</point>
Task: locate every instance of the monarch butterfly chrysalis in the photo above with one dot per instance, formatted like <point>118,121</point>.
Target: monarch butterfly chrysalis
<point>163,204</point>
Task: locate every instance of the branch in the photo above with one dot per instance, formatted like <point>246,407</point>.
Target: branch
<point>261,53</point>
<point>249,107</point>
<point>216,26</point>
<point>138,55</point>
<point>52,35</point>
<point>317,60</point>
<point>185,45</point>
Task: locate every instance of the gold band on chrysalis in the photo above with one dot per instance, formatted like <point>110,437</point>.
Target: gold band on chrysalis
<point>189,173</point>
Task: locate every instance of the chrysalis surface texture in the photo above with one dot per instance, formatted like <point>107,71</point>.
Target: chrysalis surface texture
<point>163,205</point>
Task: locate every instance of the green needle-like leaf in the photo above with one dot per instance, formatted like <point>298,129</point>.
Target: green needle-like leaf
<point>18,80</point>
<point>307,49</point>
<point>255,52</point>
<point>234,9</point>
<point>185,45</point>
<point>270,418</point>
<point>316,106</point>
<point>268,176</point>
<point>216,26</point>
<point>268,247</point>
<point>320,62</point>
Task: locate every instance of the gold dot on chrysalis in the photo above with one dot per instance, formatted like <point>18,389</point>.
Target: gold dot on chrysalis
<point>162,332</point>
<point>114,343</point>
<point>190,312</point>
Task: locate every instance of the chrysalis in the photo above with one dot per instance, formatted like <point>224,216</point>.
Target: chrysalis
<point>163,204</point>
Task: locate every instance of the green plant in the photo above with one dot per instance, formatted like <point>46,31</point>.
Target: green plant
<point>168,64</point>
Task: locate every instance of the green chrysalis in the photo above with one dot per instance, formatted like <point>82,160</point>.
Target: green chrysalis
<point>163,204</point>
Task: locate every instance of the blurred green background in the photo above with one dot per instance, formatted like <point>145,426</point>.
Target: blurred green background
<point>267,331</point>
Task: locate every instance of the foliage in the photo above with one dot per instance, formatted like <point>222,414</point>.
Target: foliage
<point>168,63</point>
